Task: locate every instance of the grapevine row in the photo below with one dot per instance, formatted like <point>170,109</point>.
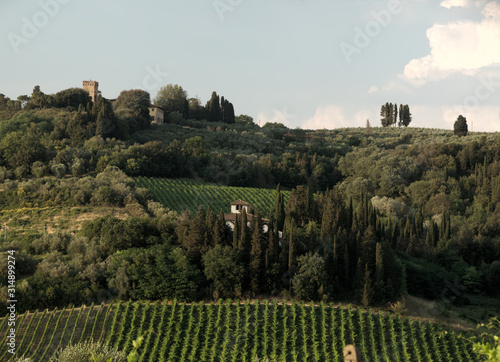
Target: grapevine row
<point>232,331</point>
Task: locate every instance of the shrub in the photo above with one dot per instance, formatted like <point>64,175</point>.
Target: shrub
<point>89,352</point>
<point>59,170</point>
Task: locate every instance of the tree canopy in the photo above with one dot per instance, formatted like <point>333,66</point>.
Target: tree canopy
<point>173,98</point>
<point>460,126</point>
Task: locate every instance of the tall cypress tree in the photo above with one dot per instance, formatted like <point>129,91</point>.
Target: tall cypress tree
<point>368,246</point>
<point>327,227</point>
<point>406,115</point>
<point>256,262</point>
<point>291,250</point>
<point>385,114</point>
<point>367,291</point>
<point>346,264</point>
<point>379,264</point>
<point>195,241</point>
<point>395,119</point>
<point>213,108</point>
<point>210,224</point>
<point>350,212</point>
<point>272,249</point>
<point>278,213</point>
<point>236,232</point>
<point>227,111</point>
<point>219,230</point>
<point>244,242</point>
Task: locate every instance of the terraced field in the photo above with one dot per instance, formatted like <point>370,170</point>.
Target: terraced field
<point>228,331</point>
<point>181,194</point>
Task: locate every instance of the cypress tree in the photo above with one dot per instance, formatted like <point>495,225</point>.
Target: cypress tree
<point>279,210</point>
<point>195,241</point>
<point>379,264</point>
<point>244,242</point>
<point>447,230</point>
<point>367,292</point>
<point>350,212</point>
<point>272,251</point>
<point>100,124</point>
<point>210,224</point>
<point>395,120</point>
<point>346,264</point>
<point>379,271</point>
<point>327,227</point>
<point>230,117</point>
<point>442,229</point>
<point>368,247</point>
<point>256,269</point>
<point>428,239</point>
<point>236,232</point>
<point>213,108</point>
<point>291,251</point>
<point>219,230</point>
<point>227,111</point>
<point>383,115</point>
<point>495,190</point>
<point>406,116</point>
<point>435,233</point>
<point>335,258</point>
<point>359,274</point>
<point>460,126</point>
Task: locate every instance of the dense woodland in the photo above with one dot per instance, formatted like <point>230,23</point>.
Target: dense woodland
<point>373,214</point>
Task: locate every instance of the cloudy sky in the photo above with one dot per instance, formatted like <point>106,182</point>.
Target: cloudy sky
<point>305,63</point>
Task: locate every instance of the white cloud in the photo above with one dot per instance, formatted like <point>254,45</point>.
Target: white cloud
<point>479,119</point>
<point>492,10</point>
<point>461,3</point>
<point>373,89</point>
<point>463,46</point>
<point>450,3</point>
<point>277,116</point>
<point>332,116</point>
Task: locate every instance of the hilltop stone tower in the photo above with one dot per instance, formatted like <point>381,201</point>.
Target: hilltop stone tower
<point>92,88</point>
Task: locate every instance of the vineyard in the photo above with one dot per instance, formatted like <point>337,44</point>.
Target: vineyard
<point>227,331</point>
<point>181,194</point>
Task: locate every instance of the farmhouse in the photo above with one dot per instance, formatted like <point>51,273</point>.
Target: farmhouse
<point>237,207</point>
<point>157,114</point>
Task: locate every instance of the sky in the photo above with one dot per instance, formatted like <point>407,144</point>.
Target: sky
<point>306,63</point>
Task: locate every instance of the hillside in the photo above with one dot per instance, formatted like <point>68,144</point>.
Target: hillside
<point>239,332</point>
<point>92,203</point>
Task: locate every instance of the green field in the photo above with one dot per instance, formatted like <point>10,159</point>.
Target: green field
<point>228,331</point>
<point>182,194</point>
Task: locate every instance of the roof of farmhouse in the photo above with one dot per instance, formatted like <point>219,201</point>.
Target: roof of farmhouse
<point>240,202</point>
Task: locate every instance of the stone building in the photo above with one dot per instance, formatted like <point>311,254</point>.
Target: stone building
<point>92,88</point>
<point>157,114</point>
<point>237,207</point>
